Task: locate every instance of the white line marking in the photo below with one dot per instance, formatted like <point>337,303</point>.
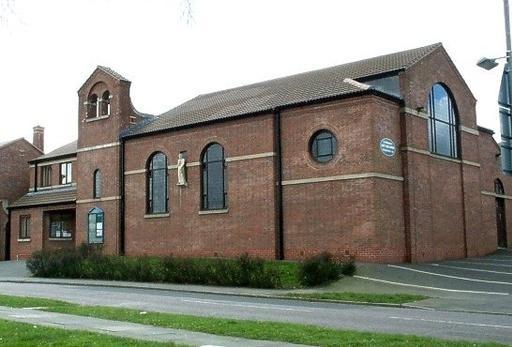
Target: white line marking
<point>432,288</point>
<point>273,307</point>
<point>479,263</point>
<point>449,276</point>
<point>495,259</point>
<point>455,322</point>
<point>471,269</point>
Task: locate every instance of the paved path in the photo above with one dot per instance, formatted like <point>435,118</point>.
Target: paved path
<point>482,286</point>
<point>130,330</point>
<point>434,323</point>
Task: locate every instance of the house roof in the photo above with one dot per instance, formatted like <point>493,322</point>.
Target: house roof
<point>64,151</point>
<point>113,73</point>
<point>7,143</point>
<point>46,197</point>
<point>286,91</point>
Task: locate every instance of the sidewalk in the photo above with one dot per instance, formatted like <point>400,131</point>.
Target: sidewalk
<point>251,292</point>
<point>129,330</point>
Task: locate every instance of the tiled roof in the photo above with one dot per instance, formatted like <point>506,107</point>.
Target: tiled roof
<point>5,143</point>
<point>47,197</point>
<point>286,91</point>
<point>66,150</point>
<point>113,73</point>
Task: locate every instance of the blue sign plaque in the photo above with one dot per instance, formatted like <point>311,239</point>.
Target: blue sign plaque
<point>387,147</point>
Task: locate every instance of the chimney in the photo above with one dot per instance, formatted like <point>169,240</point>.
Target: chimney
<point>38,139</point>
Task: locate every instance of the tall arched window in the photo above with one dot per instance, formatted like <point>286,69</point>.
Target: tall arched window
<point>501,215</point>
<point>443,132</point>
<point>213,178</point>
<point>97,184</point>
<point>157,184</point>
<point>92,106</point>
<point>96,225</point>
<point>105,104</point>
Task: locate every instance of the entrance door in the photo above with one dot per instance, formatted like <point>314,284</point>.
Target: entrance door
<point>501,220</point>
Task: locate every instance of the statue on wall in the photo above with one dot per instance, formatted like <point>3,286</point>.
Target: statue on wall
<point>182,170</point>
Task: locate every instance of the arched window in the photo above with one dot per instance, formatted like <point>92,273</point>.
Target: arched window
<point>96,225</point>
<point>443,132</point>
<point>97,184</point>
<point>105,104</point>
<point>92,106</point>
<point>157,184</point>
<point>498,187</point>
<point>323,146</point>
<point>213,178</point>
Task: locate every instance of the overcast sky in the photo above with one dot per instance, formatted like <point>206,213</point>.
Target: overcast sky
<point>49,48</point>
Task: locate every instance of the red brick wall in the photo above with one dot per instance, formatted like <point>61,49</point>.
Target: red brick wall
<point>107,161</point>
<point>39,231</point>
<point>443,200</point>
<point>14,178</point>
<point>249,224</point>
<point>354,217</point>
<point>14,171</point>
<point>489,172</point>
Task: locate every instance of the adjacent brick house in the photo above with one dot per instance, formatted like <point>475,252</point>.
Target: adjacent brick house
<point>380,159</point>
<point>14,176</point>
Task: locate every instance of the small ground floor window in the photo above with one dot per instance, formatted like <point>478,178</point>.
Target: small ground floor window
<point>61,225</point>
<point>24,227</point>
<point>96,225</point>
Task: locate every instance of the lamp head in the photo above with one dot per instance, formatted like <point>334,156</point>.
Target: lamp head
<point>486,63</point>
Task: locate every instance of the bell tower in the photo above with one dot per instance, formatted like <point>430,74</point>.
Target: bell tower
<point>105,110</point>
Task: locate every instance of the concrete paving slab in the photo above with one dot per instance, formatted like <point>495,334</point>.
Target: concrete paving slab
<point>130,330</point>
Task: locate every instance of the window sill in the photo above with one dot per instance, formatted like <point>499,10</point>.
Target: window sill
<point>60,239</point>
<point>160,215</point>
<point>23,240</point>
<point>214,211</point>
<point>65,185</point>
<point>94,119</point>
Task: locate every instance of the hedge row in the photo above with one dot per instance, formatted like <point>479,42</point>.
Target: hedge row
<point>89,263</point>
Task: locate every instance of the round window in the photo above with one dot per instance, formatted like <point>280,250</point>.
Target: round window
<point>323,146</point>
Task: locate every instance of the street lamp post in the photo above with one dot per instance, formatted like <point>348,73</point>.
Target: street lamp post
<point>505,96</point>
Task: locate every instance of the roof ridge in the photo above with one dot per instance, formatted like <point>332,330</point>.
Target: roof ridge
<point>112,73</point>
<point>9,142</point>
<point>431,46</point>
<point>295,89</point>
<point>55,153</point>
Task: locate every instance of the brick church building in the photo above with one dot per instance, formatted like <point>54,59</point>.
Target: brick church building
<point>380,159</point>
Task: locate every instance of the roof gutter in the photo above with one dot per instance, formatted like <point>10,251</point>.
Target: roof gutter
<point>19,207</point>
<point>57,157</point>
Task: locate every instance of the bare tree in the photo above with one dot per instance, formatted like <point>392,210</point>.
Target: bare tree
<point>6,11</point>
<point>186,11</point>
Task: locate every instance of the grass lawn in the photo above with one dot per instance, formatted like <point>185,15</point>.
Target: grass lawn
<point>360,297</point>
<point>260,330</point>
<point>23,334</point>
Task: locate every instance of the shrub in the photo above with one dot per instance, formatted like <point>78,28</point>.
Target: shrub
<point>319,269</point>
<point>349,268</point>
<point>88,262</point>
